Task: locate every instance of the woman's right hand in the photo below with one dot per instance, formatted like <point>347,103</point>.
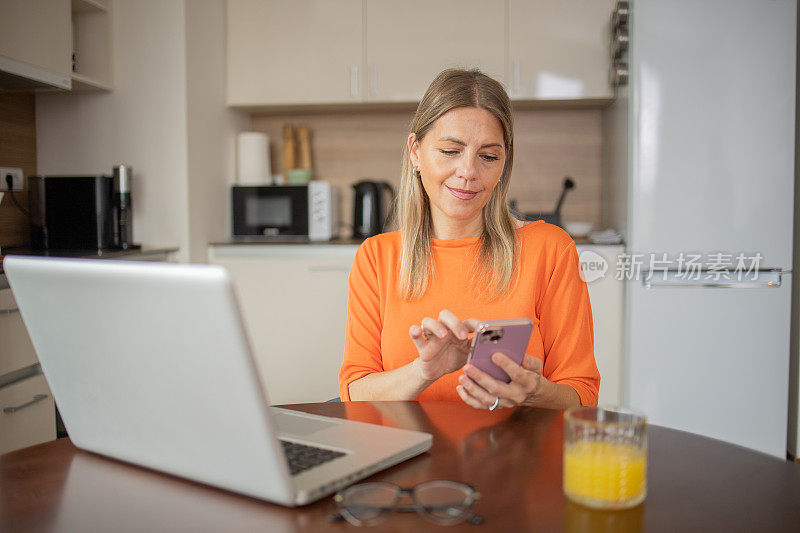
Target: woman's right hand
<point>443,344</point>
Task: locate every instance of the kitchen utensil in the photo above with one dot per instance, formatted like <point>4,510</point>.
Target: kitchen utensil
<point>289,149</point>
<point>373,200</point>
<point>551,218</point>
<point>578,229</point>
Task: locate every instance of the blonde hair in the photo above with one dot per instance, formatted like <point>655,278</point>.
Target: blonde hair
<point>496,257</point>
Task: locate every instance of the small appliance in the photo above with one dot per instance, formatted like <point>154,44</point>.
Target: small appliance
<point>371,207</point>
<point>123,208</point>
<point>71,212</point>
<point>296,212</point>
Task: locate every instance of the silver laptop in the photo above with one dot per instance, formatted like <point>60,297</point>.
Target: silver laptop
<point>150,363</point>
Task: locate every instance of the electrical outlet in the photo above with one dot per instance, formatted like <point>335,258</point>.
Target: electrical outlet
<point>16,174</point>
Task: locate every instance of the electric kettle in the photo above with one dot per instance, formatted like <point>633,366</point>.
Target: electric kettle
<point>371,207</point>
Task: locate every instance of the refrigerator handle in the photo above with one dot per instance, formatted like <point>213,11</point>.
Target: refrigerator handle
<point>714,280</point>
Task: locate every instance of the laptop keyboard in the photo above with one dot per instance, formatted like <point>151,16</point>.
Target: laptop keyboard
<point>301,457</point>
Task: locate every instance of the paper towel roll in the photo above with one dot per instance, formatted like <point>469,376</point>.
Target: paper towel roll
<point>253,158</point>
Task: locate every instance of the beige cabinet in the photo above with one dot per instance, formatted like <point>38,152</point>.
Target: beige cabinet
<point>27,414</point>
<point>294,302</point>
<point>606,295</point>
<point>409,42</point>
<point>384,51</point>
<point>559,49</point>
<point>91,45</point>
<point>35,42</point>
<point>55,43</point>
<point>27,409</point>
<point>298,52</point>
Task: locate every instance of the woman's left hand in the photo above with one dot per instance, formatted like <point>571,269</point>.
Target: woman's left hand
<point>480,390</point>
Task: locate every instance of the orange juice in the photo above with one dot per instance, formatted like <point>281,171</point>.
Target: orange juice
<point>605,474</point>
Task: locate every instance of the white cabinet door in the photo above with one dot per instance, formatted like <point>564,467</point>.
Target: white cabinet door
<point>559,49</point>
<point>297,52</point>
<point>27,414</point>
<point>16,350</point>
<point>606,295</point>
<point>35,40</point>
<point>409,42</point>
<point>294,302</point>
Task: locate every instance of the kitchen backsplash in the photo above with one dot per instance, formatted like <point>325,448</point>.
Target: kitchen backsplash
<point>17,149</point>
<point>550,143</point>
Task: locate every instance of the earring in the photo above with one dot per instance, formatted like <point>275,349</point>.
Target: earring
<point>415,171</point>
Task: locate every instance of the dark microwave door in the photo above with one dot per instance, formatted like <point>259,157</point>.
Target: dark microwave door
<point>270,211</point>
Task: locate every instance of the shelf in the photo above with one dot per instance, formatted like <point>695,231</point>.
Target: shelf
<point>91,46</point>
<point>81,83</point>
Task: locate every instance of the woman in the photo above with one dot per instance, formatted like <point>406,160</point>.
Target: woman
<point>459,253</point>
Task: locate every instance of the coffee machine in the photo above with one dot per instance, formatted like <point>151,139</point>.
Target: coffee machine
<point>81,212</point>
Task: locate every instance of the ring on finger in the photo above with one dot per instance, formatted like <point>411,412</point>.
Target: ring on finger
<point>495,404</point>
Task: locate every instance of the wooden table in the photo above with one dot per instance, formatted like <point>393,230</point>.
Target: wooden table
<point>512,456</point>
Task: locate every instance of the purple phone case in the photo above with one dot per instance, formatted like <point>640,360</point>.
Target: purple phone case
<point>517,334</point>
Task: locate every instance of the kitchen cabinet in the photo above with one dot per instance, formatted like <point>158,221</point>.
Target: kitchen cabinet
<point>55,43</point>
<point>27,414</point>
<point>606,295</point>
<point>91,45</point>
<point>299,52</point>
<point>35,43</point>
<point>293,299</point>
<point>383,51</point>
<point>559,49</point>
<point>27,410</point>
<point>409,42</point>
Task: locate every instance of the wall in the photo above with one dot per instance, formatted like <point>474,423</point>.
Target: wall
<point>141,123</point>
<point>211,128</point>
<point>550,143</point>
<point>17,149</point>
<point>165,117</point>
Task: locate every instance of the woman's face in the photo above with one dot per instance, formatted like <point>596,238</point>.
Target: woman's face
<point>461,159</point>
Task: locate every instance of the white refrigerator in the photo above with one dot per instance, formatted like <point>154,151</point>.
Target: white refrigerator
<point>700,151</point>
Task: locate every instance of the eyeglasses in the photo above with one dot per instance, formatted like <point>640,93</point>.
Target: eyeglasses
<point>442,502</point>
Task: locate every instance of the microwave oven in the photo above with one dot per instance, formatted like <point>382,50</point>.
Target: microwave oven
<point>295,212</point>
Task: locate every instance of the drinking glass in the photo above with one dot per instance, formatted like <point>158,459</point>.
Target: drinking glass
<point>605,457</point>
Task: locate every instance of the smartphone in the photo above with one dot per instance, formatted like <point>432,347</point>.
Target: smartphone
<point>509,337</point>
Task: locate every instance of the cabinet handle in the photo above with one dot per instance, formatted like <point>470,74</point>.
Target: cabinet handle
<point>36,399</point>
<point>354,81</point>
<point>373,80</point>
<point>9,311</point>
<point>515,77</point>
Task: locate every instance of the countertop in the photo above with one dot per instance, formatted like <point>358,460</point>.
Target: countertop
<point>235,242</point>
<point>84,254</point>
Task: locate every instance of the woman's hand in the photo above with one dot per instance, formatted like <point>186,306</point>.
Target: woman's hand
<point>442,344</point>
<point>480,390</point>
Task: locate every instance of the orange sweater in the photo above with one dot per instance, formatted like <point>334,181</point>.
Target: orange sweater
<point>549,291</point>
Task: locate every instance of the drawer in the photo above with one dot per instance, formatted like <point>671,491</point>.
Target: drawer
<point>16,350</point>
<point>32,420</point>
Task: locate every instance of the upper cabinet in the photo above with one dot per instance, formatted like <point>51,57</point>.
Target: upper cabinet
<point>298,52</point>
<point>385,51</point>
<point>409,42</point>
<point>559,49</point>
<point>91,45</point>
<point>35,43</point>
<point>55,43</point>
